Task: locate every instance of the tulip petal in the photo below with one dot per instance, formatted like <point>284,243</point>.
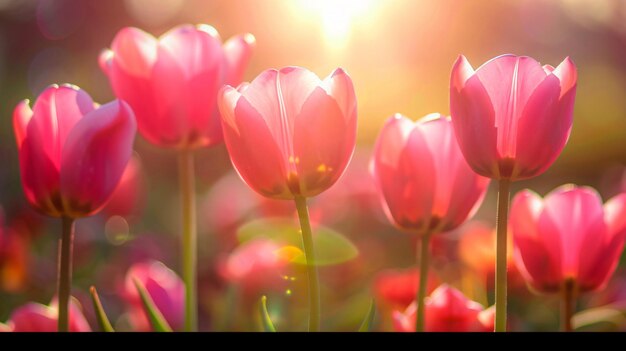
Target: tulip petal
<point>404,171</point>
<point>323,143</point>
<point>538,258</point>
<point>237,52</point>
<point>567,74</point>
<point>509,80</point>
<point>134,51</point>
<point>55,113</point>
<point>194,50</point>
<point>40,177</point>
<point>95,156</point>
<point>570,214</point>
<point>543,130</point>
<point>278,96</point>
<point>473,118</point>
<point>458,188</point>
<point>22,115</point>
<point>339,85</point>
<point>597,266</point>
<point>462,70</point>
<point>253,151</point>
<point>186,80</point>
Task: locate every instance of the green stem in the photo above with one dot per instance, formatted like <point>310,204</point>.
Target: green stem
<point>309,253</point>
<point>65,273</point>
<point>189,237</point>
<point>423,282</point>
<point>567,306</point>
<point>501,255</point>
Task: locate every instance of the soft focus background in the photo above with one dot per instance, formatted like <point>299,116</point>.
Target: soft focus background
<point>399,54</point>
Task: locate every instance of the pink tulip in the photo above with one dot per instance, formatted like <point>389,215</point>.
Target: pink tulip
<point>568,235</point>
<point>512,117</point>
<point>447,310</point>
<point>164,287</point>
<point>288,132</point>
<point>5,328</point>
<point>35,317</point>
<point>257,266</point>
<point>172,81</point>
<point>425,183</point>
<point>72,153</point>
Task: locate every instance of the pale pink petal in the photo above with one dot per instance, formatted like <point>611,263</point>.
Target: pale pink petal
<point>458,189</point>
<point>510,81</point>
<point>461,72</point>
<point>538,258</point>
<point>339,85</point>
<point>323,143</point>
<point>253,150</point>
<point>543,130</point>
<point>194,50</point>
<point>21,117</point>
<point>474,120</point>
<point>134,51</point>
<point>237,52</point>
<point>570,215</point>
<point>95,156</point>
<point>186,79</point>
<point>567,74</point>
<point>597,266</point>
<point>404,171</point>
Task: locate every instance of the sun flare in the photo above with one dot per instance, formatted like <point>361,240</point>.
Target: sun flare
<point>337,18</point>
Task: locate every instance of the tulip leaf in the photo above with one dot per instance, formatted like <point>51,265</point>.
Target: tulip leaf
<point>606,318</point>
<point>368,322</point>
<point>266,321</point>
<point>101,316</point>
<point>158,322</point>
<point>331,247</point>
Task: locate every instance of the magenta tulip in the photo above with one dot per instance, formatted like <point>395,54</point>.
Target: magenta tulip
<point>72,153</point>
<point>567,242</point>
<point>164,287</point>
<point>172,81</point>
<point>425,184</point>
<point>512,116</point>
<point>448,310</point>
<point>35,317</point>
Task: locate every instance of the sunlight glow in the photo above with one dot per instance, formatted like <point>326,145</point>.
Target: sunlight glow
<point>337,17</point>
